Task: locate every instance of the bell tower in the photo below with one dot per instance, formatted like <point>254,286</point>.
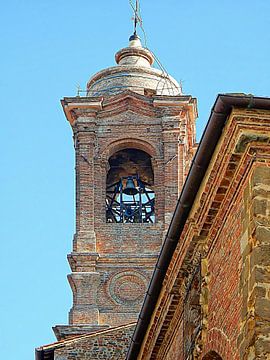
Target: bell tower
<point>134,138</point>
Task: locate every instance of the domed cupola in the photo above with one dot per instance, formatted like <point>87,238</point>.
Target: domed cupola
<point>133,72</point>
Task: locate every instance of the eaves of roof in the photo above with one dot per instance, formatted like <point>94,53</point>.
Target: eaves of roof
<point>46,352</point>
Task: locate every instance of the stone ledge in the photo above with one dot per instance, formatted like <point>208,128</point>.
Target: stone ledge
<point>68,331</point>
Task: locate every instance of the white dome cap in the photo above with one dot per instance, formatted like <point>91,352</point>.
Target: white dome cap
<point>134,72</point>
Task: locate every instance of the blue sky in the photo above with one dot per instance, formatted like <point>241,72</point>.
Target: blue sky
<point>49,47</point>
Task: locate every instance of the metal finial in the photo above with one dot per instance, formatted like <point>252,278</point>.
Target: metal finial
<point>137,19</point>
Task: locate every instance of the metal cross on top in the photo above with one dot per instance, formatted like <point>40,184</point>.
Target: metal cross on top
<point>137,19</point>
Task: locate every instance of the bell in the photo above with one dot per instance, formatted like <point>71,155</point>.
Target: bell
<point>130,188</point>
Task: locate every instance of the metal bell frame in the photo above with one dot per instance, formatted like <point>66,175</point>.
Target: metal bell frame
<point>130,200</point>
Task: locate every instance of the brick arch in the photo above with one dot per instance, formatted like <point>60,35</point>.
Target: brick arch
<point>212,355</point>
<point>126,143</point>
<point>218,343</point>
<point>156,156</point>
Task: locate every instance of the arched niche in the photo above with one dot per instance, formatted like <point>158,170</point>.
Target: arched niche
<point>212,355</point>
<point>130,195</point>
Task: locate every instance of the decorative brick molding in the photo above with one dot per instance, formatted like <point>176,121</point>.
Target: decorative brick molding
<point>129,142</point>
<point>127,288</point>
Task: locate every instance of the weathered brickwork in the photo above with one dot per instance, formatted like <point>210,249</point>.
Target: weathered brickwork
<point>227,232</point>
<point>112,262</point>
<point>103,251</point>
<point>106,345</point>
<point>254,340</point>
<point>260,261</point>
<point>225,303</point>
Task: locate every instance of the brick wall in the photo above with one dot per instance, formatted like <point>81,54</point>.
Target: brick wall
<point>175,350</point>
<point>112,263</point>
<point>225,303</point>
<point>106,345</point>
<point>228,233</point>
<point>254,340</point>
<point>260,261</point>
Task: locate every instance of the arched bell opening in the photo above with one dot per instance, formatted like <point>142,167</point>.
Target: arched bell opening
<point>212,355</point>
<point>130,195</point>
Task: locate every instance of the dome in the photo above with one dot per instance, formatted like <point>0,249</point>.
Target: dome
<point>133,72</point>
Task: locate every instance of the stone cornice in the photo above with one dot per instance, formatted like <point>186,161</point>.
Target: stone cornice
<point>156,106</point>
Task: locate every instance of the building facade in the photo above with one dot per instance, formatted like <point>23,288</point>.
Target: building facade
<point>209,294</point>
<point>212,298</point>
<point>134,139</point>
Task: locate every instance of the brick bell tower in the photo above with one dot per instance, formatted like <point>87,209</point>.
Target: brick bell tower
<point>134,138</point>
